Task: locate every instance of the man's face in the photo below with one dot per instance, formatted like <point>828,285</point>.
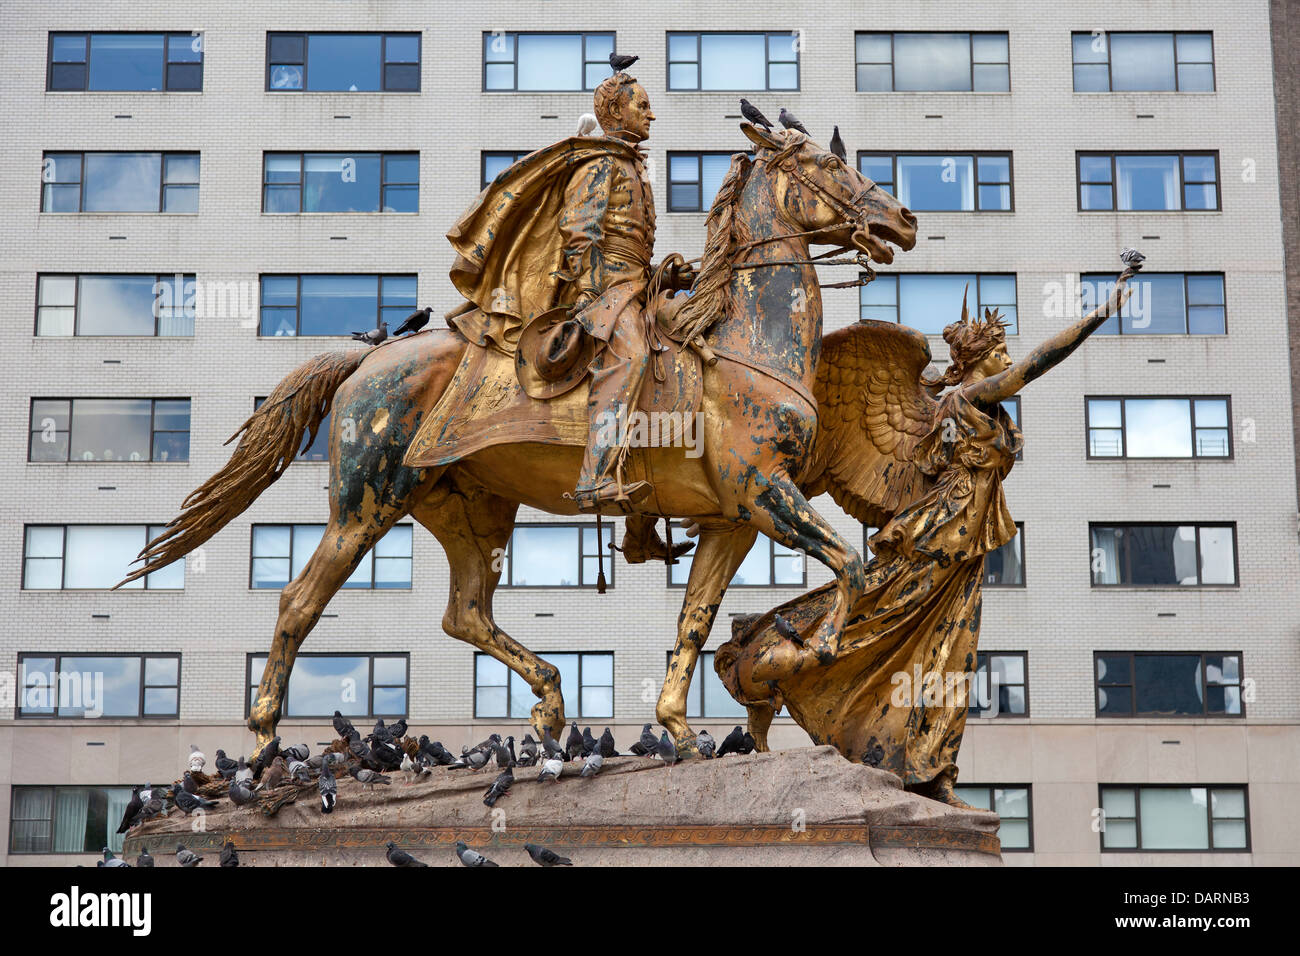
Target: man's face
<point>634,114</point>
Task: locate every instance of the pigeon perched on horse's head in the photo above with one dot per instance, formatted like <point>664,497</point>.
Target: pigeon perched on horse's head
<point>790,121</point>
<point>837,146</point>
<point>754,115</point>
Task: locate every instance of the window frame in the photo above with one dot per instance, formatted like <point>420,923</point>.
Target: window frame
<point>383,58</point>
<point>87,34</point>
<point>699,61</point>
<point>154,431</point>
<point>250,684</point>
<point>291,525</point>
<point>1182,155</point>
<point>974,155</point>
<point>698,155</point>
<point>514,61</point>
<point>1028,818</point>
<point>149,534</point>
<point>577,696</point>
<point>58,656</point>
<point>982,657</point>
<point>163,155</point>
<point>485,154</point>
<point>1111,277</point>
<point>380,278</point>
<point>970,61</point>
<point>301,184</point>
<point>1133,713</point>
<point>55,788</point>
<point>979,304</point>
<point>1123,427</point>
<point>1110,70</point>
<point>1024,575</point>
<point>1198,525</point>
<point>1137,789</point>
<point>187,278</point>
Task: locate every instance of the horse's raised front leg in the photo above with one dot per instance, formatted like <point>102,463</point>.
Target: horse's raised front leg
<point>474,526</point>
<point>720,553</point>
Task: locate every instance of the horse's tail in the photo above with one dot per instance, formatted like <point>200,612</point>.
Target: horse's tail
<point>271,439</point>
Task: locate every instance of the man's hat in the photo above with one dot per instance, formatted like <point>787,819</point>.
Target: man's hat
<point>554,354</point>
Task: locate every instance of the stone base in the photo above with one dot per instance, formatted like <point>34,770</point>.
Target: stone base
<point>800,807</point>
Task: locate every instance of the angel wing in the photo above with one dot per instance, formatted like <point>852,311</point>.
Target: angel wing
<point>872,410</point>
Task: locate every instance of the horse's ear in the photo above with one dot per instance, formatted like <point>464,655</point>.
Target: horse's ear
<point>759,136</point>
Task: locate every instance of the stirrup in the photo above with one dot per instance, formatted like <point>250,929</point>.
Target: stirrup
<point>610,497</point>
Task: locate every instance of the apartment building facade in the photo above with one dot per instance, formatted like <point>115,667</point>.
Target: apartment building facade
<point>197,201</point>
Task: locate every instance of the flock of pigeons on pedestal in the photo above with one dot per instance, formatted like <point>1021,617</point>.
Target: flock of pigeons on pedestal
<point>371,759</point>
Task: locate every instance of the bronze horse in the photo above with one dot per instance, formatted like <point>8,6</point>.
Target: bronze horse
<point>756,296</point>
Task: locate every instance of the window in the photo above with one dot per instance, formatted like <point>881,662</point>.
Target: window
<point>1162,303</point>
<point>545,62</point>
<point>768,564</point>
<point>107,685</point>
<point>1005,567</point>
<point>556,556</point>
<point>319,449</point>
<point>1168,684</point>
<point>708,697</point>
<point>343,62</point>
<point>334,304</point>
<point>1158,427</point>
<point>109,429</point>
<point>356,685</point>
<point>495,162</point>
<point>67,819</point>
<point>1013,805</point>
<point>1148,181</point>
<point>586,683</point>
<point>933,62</point>
<point>120,182</point>
<point>1155,817</point>
<point>943,182</point>
<point>281,551</point>
<point>1012,407</point>
<point>929,301</point>
<point>94,557</point>
<point>150,305</point>
<point>1164,555</point>
<point>1001,687</point>
<point>130,62</point>
<point>1118,62</point>
<point>694,178</point>
<point>341,182</point>
<point>734,61</point>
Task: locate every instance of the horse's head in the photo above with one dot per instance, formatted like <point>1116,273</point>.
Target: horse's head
<point>818,192</point>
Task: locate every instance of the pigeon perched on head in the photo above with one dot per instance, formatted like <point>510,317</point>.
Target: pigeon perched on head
<point>471,857</point>
<point>197,760</point>
<point>621,61</point>
<point>647,744</point>
<point>144,859</point>
<point>414,322</point>
<point>186,857</point>
<point>588,125</point>
<point>368,778</point>
<point>328,787</point>
<point>837,146</point>
<point>110,860</point>
<point>605,745</point>
<point>372,336</point>
<point>591,766</point>
<point>229,857</point>
<point>551,769</point>
<point>665,749</point>
<point>527,751</point>
<point>500,787</point>
<point>240,793</point>
<point>189,802</point>
<point>225,766</point>
<point>573,745</point>
<point>133,807</point>
<point>342,726</point>
<point>731,743</point>
<point>544,857</point>
<point>790,121</point>
<point>399,857</point>
<point>1132,258</point>
<point>706,745</point>
<point>752,113</point>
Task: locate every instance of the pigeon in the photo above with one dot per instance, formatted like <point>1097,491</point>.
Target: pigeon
<point>510,748</point>
<point>588,124</point>
<point>275,777</point>
<point>133,807</point>
<point>790,121</point>
<point>329,789</point>
<point>500,787</point>
<point>787,630</point>
<point>414,322</point>
<point>372,336</point>
<point>110,860</point>
<point>401,857</point>
<point>300,772</point>
<point>502,757</point>
<point>197,760</point>
<point>752,113</point>
<point>229,857</point>
<point>409,770</point>
<point>397,730</point>
<point>665,749</point>
<point>747,745</point>
<point>605,746</point>
<point>588,742</point>
<point>837,146</point>
<point>263,759</point>
<point>544,857</point>
<point>1132,258</point>
<point>706,745</point>
<point>474,759</point>
<point>368,778</point>
<point>471,857</point>
<point>144,859</point>
<point>591,766</point>
<point>187,857</point>
<point>153,807</point>
<point>621,61</point>
<point>436,751</point>
<point>573,746</point>
<point>647,743</point>
<point>240,794</point>
<point>527,751</point>
<point>188,784</point>
<point>342,726</point>
<point>298,752</point>
<point>552,748</point>
<point>189,802</point>
<point>731,743</point>
<point>551,769</point>
<point>243,773</point>
<point>358,748</point>
<point>225,766</point>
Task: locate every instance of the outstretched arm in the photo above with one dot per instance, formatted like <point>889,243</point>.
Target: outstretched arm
<point>997,388</point>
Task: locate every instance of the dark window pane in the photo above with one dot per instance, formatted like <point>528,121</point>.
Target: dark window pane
<point>1115,701</point>
<point>185,76</point>
<point>67,76</point>
<point>402,76</point>
<point>1169,685</point>
<point>287,48</point>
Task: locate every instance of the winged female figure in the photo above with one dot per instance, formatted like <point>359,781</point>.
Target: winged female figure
<point>929,473</point>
